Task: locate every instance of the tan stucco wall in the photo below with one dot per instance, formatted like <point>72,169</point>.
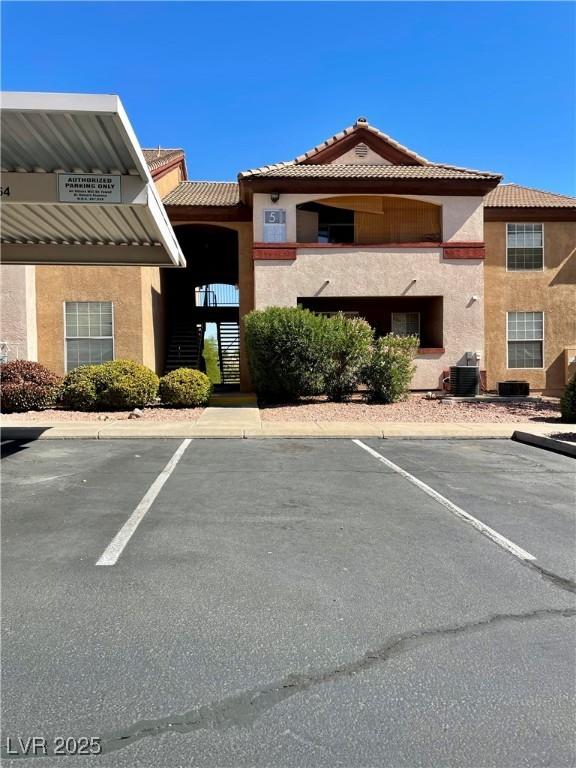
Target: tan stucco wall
<point>169,181</point>
<point>18,325</point>
<point>365,271</point>
<point>462,217</point>
<point>153,319</point>
<point>121,285</point>
<point>552,291</point>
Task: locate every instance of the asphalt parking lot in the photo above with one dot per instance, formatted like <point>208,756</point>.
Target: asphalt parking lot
<point>289,603</point>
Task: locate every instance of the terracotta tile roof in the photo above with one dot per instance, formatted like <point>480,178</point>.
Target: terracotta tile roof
<point>301,167</point>
<point>361,123</point>
<point>515,196</point>
<point>341,171</point>
<point>205,193</point>
<point>157,158</point>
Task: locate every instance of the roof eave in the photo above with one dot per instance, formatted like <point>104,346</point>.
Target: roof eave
<point>208,213</point>
<point>526,213</point>
<point>479,187</point>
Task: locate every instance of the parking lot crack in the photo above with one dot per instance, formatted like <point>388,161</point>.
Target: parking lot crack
<point>242,710</point>
<point>558,581</point>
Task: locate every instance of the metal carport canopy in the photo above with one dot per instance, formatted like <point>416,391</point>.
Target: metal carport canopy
<point>75,186</point>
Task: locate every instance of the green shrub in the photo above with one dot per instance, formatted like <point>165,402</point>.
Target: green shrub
<point>390,369</point>
<point>27,386</point>
<point>80,388</point>
<point>568,402</point>
<point>286,352</point>
<point>347,346</point>
<point>185,388</point>
<point>115,385</point>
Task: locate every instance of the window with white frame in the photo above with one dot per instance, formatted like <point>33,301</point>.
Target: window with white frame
<point>89,332</point>
<point>524,247</point>
<point>406,323</point>
<point>525,339</point>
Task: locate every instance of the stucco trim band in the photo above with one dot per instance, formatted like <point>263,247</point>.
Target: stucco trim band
<point>263,251</point>
<point>287,251</point>
<point>464,250</point>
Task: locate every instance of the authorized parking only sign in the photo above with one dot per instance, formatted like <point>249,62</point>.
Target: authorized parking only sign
<point>89,188</point>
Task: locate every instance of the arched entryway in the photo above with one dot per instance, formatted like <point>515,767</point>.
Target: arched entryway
<point>203,299</point>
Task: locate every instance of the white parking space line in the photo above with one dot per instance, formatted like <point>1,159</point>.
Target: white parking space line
<point>496,537</point>
<point>116,546</point>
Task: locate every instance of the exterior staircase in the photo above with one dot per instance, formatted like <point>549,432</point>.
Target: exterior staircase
<point>185,347</point>
<point>229,352</point>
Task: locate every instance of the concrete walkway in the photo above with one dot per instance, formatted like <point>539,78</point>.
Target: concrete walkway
<point>246,423</point>
<point>239,415</point>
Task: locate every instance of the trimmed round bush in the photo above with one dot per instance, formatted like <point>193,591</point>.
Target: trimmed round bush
<point>389,372</point>
<point>116,385</point>
<point>27,386</point>
<point>185,388</point>
<point>286,352</point>
<point>568,402</point>
<point>348,342</point>
<point>80,388</point>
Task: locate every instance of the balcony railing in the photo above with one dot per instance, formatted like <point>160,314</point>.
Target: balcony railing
<point>217,295</point>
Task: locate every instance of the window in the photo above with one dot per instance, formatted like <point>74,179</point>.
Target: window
<point>89,332</point>
<point>525,247</point>
<point>525,339</point>
<point>406,323</point>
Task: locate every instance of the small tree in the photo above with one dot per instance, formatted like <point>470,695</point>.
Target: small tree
<point>348,343</point>
<point>391,367</point>
<point>210,355</point>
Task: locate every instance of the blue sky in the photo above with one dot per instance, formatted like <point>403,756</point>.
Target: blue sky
<point>237,85</point>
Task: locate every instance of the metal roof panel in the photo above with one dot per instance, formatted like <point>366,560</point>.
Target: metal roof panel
<point>51,133</point>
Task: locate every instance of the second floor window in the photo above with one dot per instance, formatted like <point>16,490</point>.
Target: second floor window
<point>525,247</point>
<point>89,333</point>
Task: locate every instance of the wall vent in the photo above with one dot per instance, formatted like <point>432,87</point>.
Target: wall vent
<point>360,150</point>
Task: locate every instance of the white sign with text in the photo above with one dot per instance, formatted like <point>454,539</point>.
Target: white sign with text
<point>89,188</point>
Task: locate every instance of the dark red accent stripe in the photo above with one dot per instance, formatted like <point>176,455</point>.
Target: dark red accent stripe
<point>464,251</point>
<point>271,253</point>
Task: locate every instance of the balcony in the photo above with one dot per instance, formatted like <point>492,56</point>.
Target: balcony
<point>217,295</point>
<point>368,220</point>
<point>422,316</point>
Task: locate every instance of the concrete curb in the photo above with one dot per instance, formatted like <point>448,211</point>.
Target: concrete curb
<point>233,428</point>
<point>547,443</point>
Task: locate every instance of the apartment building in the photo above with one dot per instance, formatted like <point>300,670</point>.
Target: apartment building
<point>480,270</point>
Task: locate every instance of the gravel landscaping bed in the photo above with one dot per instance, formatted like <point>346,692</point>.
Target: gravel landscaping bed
<point>152,413</point>
<point>416,408</point>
